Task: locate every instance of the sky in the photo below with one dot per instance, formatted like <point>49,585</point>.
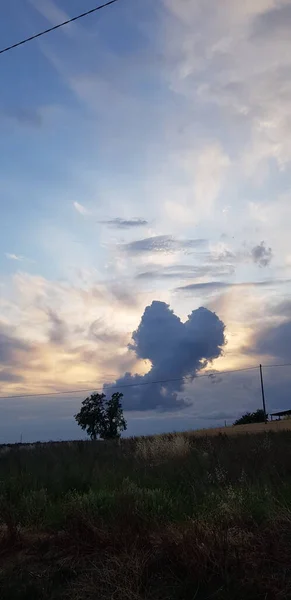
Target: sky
<point>145,207</point>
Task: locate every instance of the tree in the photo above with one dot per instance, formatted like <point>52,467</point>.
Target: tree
<point>255,417</point>
<point>114,419</point>
<point>102,418</point>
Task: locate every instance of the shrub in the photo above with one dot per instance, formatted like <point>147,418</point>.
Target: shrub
<point>255,417</point>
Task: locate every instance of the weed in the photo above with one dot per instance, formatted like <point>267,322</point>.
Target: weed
<point>165,517</point>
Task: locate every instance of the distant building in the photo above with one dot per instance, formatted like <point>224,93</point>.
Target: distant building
<point>280,414</point>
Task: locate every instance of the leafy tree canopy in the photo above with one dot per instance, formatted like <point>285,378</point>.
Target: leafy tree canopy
<point>102,418</point>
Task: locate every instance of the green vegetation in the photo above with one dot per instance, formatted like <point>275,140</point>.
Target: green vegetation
<point>102,418</point>
<point>255,417</point>
<point>171,517</point>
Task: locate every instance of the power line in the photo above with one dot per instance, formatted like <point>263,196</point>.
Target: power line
<point>37,35</point>
<point>156,382</point>
<point>130,385</point>
<point>285,365</point>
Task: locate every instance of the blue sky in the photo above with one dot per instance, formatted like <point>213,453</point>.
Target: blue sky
<point>145,156</point>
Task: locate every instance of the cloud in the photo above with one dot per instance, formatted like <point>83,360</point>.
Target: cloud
<point>217,285</point>
<point>276,20</point>
<point>275,340</point>
<point>237,71</point>
<point>125,223</point>
<point>12,349</point>
<point>81,209</point>
<point>31,117</point>
<point>9,377</point>
<point>98,331</point>
<point>185,272</point>
<point>47,335</point>
<point>19,258</point>
<point>281,309</point>
<point>261,255</point>
<point>175,350</point>
<point>206,285</point>
<point>209,176</point>
<point>274,337</point>
<point>58,329</point>
<point>220,261</point>
<point>14,256</point>
<point>165,244</point>
<point>117,222</point>
<point>125,296</point>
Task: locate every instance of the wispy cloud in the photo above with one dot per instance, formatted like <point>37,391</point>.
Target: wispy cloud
<point>186,272</point>
<point>19,258</point>
<point>31,117</point>
<point>165,244</point>
<point>243,75</point>
<point>116,222</point>
<point>81,209</point>
<point>125,223</point>
<point>14,256</point>
<point>218,285</point>
<point>50,10</point>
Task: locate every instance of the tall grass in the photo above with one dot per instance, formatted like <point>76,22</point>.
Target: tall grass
<point>164,513</point>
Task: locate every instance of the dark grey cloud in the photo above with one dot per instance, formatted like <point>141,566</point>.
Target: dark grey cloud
<point>262,255</point>
<point>125,223</point>
<point>218,285</point>
<point>175,350</point>
<point>275,340</point>
<point>10,377</point>
<point>12,349</point>
<point>283,309</point>
<point>58,329</point>
<point>124,295</point>
<point>165,244</point>
<point>186,272</point>
<point>276,20</point>
<point>98,332</point>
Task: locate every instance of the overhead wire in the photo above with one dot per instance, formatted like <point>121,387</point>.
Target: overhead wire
<point>157,382</point>
<point>270,366</point>
<point>131,385</point>
<point>58,26</point>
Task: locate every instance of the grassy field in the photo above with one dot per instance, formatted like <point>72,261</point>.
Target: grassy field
<point>283,425</point>
<point>172,517</point>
